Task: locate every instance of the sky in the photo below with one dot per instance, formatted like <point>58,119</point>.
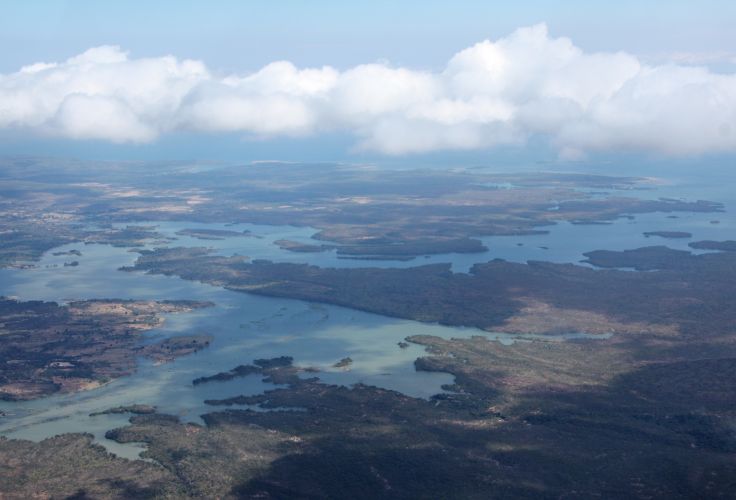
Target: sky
<point>362,80</point>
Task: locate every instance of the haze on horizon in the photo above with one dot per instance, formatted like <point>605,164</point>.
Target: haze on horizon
<point>529,84</point>
<point>401,250</point>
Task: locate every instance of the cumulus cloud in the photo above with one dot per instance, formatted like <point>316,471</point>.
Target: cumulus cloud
<point>495,92</point>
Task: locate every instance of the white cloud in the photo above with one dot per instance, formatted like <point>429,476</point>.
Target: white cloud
<point>495,92</point>
<point>100,94</point>
<point>83,116</point>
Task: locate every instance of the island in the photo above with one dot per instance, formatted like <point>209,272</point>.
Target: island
<point>615,377</point>
<point>362,211</point>
<point>669,234</point>
<point>48,348</point>
<point>725,246</point>
<point>212,234</point>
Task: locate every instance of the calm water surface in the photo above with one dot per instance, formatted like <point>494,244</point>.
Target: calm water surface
<point>246,327</point>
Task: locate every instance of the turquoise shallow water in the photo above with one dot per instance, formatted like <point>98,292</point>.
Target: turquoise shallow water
<point>246,327</point>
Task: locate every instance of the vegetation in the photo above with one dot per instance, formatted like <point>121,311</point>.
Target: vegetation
<point>362,211</point>
<point>537,297</point>
<point>70,466</point>
<point>48,348</point>
<point>645,410</point>
<point>212,234</point>
<point>726,246</point>
<point>136,409</point>
<point>669,234</point>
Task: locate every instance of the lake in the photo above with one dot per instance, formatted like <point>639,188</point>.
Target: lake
<point>246,327</point>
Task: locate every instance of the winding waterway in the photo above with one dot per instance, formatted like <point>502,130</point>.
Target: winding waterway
<point>246,327</point>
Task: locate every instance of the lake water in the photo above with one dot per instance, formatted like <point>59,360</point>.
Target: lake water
<point>246,327</point>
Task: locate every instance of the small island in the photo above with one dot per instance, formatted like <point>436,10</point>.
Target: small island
<point>135,409</point>
<point>669,234</point>
<point>724,246</point>
<point>343,363</point>
<point>212,234</point>
<point>295,246</point>
<point>70,252</point>
<point>258,366</point>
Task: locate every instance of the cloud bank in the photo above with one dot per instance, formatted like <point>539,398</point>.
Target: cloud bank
<point>493,93</point>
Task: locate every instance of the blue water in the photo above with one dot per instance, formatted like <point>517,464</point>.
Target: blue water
<point>246,327</point>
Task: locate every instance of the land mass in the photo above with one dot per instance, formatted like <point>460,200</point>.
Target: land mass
<point>726,246</point>
<point>669,234</point>
<point>642,407</point>
<point>48,348</point>
<point>624,436</point>
<point>361,211</point>
<point>212,234</point>
<point>645,412</point>
<point>295,246</point>
<point>502,296</point>
<point>135,409</point>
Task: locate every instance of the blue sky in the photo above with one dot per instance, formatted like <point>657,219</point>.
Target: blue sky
<point>416,48</point>
<point>244,35</point>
